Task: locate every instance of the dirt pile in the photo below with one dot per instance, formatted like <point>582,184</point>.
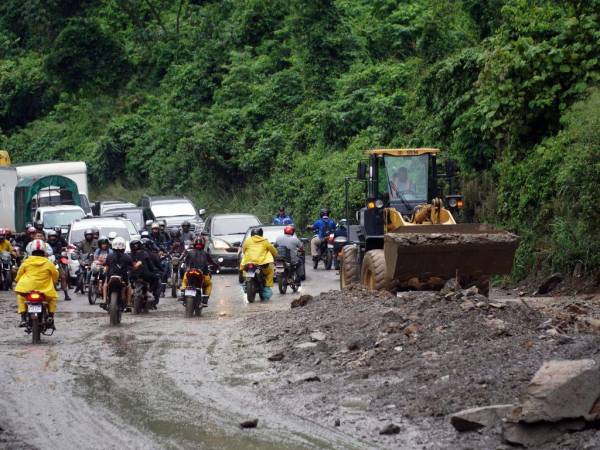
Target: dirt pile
<point>423,355</point>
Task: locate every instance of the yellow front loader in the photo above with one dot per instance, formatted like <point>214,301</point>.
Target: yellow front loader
<point>407,237</point>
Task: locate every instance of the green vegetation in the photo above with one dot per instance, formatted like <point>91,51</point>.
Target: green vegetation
<point>249,104</point>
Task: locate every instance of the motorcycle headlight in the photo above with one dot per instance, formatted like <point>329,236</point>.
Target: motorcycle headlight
<point>340,240</point>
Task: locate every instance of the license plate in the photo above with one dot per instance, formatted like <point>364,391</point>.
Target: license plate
<point>329,246</point>
<point>251,274</point>
<point>34,308</point>
<point>190,292</point>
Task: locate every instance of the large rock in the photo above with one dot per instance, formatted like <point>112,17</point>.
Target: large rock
<point>537,434</point>
<point>561,390</point>
<point>549,284</point>
<point>475,418</point>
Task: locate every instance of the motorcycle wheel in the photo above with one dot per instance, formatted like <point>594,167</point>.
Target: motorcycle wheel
<point>198,306</point>
<point>174,282</point>
<point>189,307</point>
<point>114,309</point>
<point>282,284</point>
<point>138,295</point>
<point>36,329</point>
<point>7,281</point>
<point>315,263</point>
<point>251,290</point>
<point>92,292</point>
<point>328,260</point>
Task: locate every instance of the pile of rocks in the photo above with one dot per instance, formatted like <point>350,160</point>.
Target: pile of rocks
<point>563,396</point>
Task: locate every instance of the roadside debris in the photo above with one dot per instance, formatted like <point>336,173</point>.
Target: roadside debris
<point>303,300</point>
<point>390,429</point>
<point>253,423</point>
<point>549,284</point>
<point>475,418</point>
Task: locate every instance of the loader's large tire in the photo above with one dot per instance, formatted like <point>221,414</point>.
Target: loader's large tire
<point>349,269</point>
<point>372,275</point>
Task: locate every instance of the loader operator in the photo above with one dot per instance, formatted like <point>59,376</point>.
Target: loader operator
<point>400,183</point>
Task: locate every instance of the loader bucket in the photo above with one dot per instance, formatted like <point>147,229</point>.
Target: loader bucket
<point>446,251</point>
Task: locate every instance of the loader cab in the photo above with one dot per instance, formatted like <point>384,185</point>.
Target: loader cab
<point>402,179</point>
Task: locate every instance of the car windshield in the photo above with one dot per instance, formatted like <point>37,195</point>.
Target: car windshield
<point>77,235</point>
<point>173,209</point>
<point>233,225</point>
<point>61,218</point>
<point>134,215</point>
<point>406,177</point>
<point>131,227</point>
<point>112,206</point>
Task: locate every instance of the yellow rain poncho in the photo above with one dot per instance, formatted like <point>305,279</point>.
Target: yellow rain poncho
<point>260,251</point>
<point>36,273</point>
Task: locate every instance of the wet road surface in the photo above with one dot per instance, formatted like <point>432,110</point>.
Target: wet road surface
<point>156,381</point>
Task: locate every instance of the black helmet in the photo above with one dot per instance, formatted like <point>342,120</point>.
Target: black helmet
<point>103,240</point>
<point>256,232</point>
<point>39,225</point>
<point>135,244</point>
<point>324,212</point>
<point>148,244</point>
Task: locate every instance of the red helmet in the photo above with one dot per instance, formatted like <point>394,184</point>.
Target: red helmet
<point>199,243</point>
<point>289,229</point>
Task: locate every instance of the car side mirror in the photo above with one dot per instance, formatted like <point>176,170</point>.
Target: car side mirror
<point>201,212</point>
<point>361,171</point>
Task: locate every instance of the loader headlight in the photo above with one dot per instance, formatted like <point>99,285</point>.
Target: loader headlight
<point>455,201</point>
<point>452,202</point>
<point>379,203</point>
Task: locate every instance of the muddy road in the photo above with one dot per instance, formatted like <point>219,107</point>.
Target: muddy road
<point>156,381</point>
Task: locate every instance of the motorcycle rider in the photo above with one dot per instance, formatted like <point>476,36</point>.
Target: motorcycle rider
<point>5,245</point>
<point>58,244</point>
<point>111,237</point>
<point>154,252</point>
<point>144,266</point>
<point>157,237</point>
<point>96,233</point>
<point>282,218</point>
<point>322,227</point>
<point>162,226</point>
<point>101,254</point>
<point>198,258</point>
<point>27,236</point>
<point>293,244</point>
<point>120,264</point>
<point>258,250</point>
<point>185,234</point>
<point>88,244</point>
<point>36,273</point>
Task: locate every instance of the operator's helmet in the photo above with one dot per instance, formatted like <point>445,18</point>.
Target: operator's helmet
<point>112,235</point>
<point>118,244</point>
<point>38,246</point>
<point>103,240</point>
<point>289,229</point>
<point>89,232</point>
<point>199,243</point>
<point>256,232</point>
<point>51,235</point>
<point>135,245</point>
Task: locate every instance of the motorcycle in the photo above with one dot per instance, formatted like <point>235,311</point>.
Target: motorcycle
<point>193,298</point>
<point>6,271</point>
<point>83,273</point>
<point>286,272</point>
<point>38,322</point>
<point>254,281</point>
<point>115,300</point>
<point>325,252</point>
<point>93,290</point>
<point>141,290</point>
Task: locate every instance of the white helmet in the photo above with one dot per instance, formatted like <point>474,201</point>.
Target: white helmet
<point>118,243</point>
<point>37,245</point>
<point>112,235</point>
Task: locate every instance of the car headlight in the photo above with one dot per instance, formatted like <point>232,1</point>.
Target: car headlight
<point>220,244</point>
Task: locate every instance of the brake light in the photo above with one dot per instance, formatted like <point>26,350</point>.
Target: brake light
<point>250,266</point>
<point>35,297</point>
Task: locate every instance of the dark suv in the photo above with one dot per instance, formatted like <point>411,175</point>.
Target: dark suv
<point>173,210</point>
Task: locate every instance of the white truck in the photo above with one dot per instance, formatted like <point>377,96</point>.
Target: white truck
<point>8,182</point>
<point>75,170</point>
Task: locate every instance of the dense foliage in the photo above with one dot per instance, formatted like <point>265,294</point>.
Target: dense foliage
<point>250,104</point>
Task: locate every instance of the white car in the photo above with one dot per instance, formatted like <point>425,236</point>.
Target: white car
<point>58,216</point>
<point>123,227</point>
